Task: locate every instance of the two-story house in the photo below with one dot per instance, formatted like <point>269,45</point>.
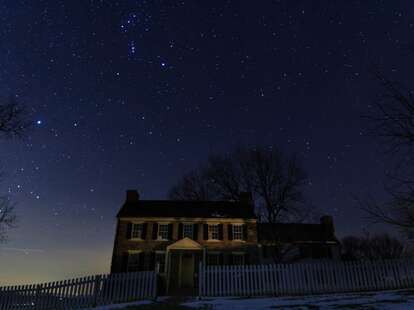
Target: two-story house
<point>175,236</point>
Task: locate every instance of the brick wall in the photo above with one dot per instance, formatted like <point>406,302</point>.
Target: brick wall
<point>123,244</point>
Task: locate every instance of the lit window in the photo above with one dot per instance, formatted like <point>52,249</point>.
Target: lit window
<point>136,232</point>
<point>163,232</point>
<point>133,262</point>
<point>188,231</point>
<point>238,258</point>
<point>237,232</point>
<point>160,261</point>
<point>213,259</point>
<point>214,231</point>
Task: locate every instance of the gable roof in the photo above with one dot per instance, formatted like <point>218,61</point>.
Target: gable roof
<point>185,244</point>
<point>295,233</point>
<point>186,208</point>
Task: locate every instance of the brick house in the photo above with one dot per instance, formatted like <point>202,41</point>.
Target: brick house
<point>175,236</point>
<point>298,241</point>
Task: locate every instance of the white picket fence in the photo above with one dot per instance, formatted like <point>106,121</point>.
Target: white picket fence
<point>81,292</point>
<point>305,278</point>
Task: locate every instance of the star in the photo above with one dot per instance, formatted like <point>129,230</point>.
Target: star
<point>131,87</point>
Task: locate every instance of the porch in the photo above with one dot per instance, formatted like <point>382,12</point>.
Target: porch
<point>182,262</point>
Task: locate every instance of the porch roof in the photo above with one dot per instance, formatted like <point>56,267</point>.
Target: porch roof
<point>185,244</point>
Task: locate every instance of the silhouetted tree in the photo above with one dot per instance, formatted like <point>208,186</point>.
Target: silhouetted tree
<point>13,119</point>
<point>13,123</point>
<point>7,217</point>
<point>371,248</point>
<point>392,121</point>
<point>275,180</point>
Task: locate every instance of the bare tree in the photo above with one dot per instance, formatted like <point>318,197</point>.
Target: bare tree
<point>7,217</point>
<point>370,248</point>
<point>13,119</point>
<point>275,180</point>
<point>392,121</point>
<point>393,115</point>
<point>192,186</point>
<point>13,123</point>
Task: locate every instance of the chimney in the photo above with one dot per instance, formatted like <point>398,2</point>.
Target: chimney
<point>132,195</point>
<point>327,223</point>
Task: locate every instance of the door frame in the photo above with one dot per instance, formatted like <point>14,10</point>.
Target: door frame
<point>181,270</point>
<point>185,245</point>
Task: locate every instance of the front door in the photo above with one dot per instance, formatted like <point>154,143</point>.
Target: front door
<point>187,270</point>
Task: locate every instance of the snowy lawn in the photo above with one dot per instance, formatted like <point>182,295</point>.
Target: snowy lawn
<point>379,300</point>
<point>370,300</point>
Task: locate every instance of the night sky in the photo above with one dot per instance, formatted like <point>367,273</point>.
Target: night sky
<point>132,94</point>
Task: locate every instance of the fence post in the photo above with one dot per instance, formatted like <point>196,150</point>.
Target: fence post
<point>37,294</point>
<point>96,289</point>
<point>246,280</point>
<point>2,297</point>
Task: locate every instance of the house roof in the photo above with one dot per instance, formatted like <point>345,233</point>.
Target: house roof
<point>295,233</point>
<point>185,208</point>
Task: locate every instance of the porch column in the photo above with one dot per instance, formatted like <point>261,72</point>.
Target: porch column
<point>167,269</point>
<point>180,270</point>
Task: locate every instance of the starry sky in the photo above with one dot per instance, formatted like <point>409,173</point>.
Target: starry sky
<point>134,93</point>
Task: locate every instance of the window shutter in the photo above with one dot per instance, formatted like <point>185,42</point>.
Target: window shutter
<point>205,231</point>
<point>141,261</point>
<point>244,228</point>
<point>151,261</point>
<point>246,258</point>
<point>154,231</point>
<point>144,231</point>
<point>129,230</point>
<point>124,262</point>
<point>180,230</point>
<point>230,231</point>
<point>230,259</point>
<point>170,231</point>
<point>220,231</point>
<point>220,259</point>
<point>195,232</point>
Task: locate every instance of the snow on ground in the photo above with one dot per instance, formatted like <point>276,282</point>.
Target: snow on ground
<point>122,306</point>
<point>377,300</point>
<point>400,300</point>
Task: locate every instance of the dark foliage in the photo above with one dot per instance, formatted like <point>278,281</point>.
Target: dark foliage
<point>371,248</point>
